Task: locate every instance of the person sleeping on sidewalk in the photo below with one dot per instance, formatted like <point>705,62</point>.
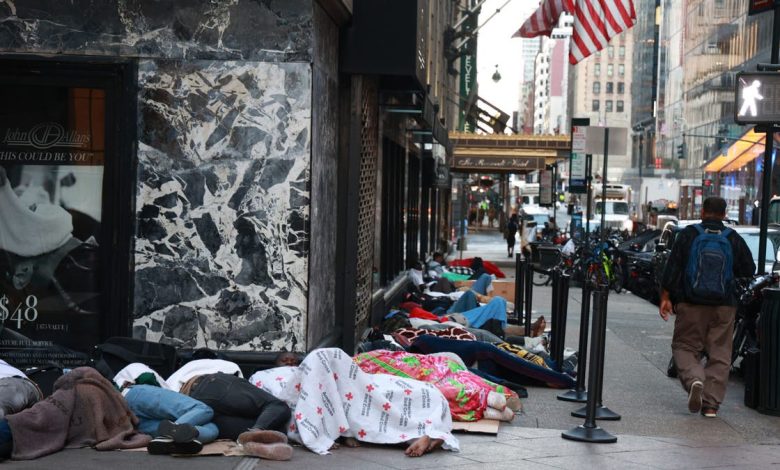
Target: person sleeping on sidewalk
<point>332,398</point>
<point>253,417</point>
<point>178,424</point>
<point>85,410</point>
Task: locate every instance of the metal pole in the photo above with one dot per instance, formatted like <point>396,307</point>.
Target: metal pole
<point>529,295</point>
<point>519,287</point>
<point>604,187</point>
<point>766,181</point>
<point>640,209</point>
<point>590,431</point>
<point>589,197</point>
<point>578,393</point>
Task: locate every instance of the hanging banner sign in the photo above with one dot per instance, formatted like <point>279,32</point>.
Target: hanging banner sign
<point>545,188</point>
<point>577,167</point>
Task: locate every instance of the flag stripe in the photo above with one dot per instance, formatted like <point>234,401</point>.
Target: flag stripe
<point>596,23</point>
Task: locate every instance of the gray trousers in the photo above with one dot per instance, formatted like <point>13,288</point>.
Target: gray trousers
<point>699,329</point>
<point>17,394</point>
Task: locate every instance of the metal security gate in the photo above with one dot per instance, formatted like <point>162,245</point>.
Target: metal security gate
<point>367,201</point>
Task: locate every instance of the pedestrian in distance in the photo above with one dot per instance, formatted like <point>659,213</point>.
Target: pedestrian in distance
<point>511,230</point>
<point>698,286</point>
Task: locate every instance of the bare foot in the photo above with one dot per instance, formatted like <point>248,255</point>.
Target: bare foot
<point>418,447</point>
<point>422,446</point>
<point>350,442</point>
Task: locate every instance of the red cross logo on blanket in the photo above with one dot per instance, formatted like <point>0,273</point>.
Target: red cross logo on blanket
<point>298,387</point>
<point>298,416</point>
<point>342,429</point>
<point>362,434</point>
<point>386,406</point>
<point>403,437</point>
<point>408,392</point>
<point>349,396</point>
<point>279,379</point>
<point>370,388</point>
<point>335,376</point>
<point>292,427</point>
<point>319,410</point>
<point>259,384</point>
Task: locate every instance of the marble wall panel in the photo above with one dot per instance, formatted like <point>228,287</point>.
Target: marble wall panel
<point>259,30</point>
<point>223,204</point>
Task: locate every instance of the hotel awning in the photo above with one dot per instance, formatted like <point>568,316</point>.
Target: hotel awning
<point>743,151</point>
<point>500,153</point>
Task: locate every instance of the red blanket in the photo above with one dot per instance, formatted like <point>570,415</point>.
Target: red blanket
<point>490,268</point>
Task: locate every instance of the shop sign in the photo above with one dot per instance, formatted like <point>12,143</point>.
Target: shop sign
<point>757,99</point>
<point>511,164</point>
<point>51,186</point>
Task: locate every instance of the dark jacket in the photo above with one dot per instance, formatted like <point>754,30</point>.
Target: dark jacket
<point>674,272</point>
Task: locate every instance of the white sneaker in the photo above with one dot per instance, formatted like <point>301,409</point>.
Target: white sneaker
<point>694,396</point>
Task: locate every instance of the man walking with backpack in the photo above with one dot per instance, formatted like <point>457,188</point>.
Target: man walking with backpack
<point>698,286</point>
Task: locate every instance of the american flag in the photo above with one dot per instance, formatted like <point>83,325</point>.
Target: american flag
<point>544,19</point>
<point>595,23</point>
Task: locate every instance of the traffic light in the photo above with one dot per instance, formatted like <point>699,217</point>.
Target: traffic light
<point>681,151</point>
<point>723,132</point>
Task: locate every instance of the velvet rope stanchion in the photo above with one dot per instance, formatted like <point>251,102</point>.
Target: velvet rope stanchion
<point>578,394</point>
<point>519,287</point>
<point>529,296</point>
<point>590,431</point>
<point>602,412</point>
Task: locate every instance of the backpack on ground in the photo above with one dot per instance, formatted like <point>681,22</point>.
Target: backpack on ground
<point>117,352</point>
<point>709,274</point>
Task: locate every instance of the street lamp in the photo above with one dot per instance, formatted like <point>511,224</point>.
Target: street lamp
<point>496,76</point>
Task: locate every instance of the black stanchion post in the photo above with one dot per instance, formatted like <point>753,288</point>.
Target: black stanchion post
<point>578,393</point>
<point>529,295</point>
<point>519,287</point>
<point>602,412</point>
<point>555,314</point>
<point>590,431</point>
<point>563,293</point>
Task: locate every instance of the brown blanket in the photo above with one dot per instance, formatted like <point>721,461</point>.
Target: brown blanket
<point>85,410</point>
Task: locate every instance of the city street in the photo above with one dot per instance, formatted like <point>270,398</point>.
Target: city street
<point>656,430</point>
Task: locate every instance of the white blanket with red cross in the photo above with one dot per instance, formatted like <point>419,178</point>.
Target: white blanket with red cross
<point>330,397</point>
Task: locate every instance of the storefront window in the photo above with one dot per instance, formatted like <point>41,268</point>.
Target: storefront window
<point>52,157</point>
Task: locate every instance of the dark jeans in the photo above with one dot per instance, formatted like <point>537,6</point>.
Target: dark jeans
<point>238,405</point>
<point>494,361</point>
<point>6,440</point>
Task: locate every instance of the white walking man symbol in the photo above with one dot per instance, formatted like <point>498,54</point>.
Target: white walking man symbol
<point>749,96</point>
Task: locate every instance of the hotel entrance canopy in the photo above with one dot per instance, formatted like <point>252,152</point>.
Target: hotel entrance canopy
<point>498,153</point>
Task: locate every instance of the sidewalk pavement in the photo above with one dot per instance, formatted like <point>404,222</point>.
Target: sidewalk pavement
<point>655,432</point>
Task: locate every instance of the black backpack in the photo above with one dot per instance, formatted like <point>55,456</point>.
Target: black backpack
<point>117,352</point>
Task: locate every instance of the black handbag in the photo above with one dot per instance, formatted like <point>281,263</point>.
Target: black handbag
<point>116,353</point>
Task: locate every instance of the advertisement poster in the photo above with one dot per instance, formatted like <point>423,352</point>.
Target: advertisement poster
<point>51,184</point>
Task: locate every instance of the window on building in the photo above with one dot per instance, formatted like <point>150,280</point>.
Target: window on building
<point>596,105</point>
<point>596,88</point>
<point>619,106</point>
<point>608,106</point>
<point>597,70</point>
<point>610,87</point>
<point>610,70</point>
<point>621,88</point>
<point>621,70</point>
<point>611,52</point>
<point>622,52</point>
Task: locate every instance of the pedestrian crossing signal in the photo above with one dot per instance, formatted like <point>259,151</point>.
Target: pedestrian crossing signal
<point>681,151</point>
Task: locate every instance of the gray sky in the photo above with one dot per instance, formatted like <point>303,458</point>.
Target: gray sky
<point>496,46</point>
